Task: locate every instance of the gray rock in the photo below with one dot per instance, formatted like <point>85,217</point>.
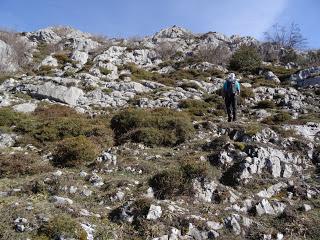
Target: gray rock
<point>154,213</point>
<point>80,57</point>
<point>272,190</point>
<point>20,224</point>
<point>61,201</point>
<point>55,92</point>
<point>50,61</point>
<point>204,190</point>
<point>46,35</point>
<point>264,207</point>
<point>271,76</point>
<point>306,207</point>
<point>233,224</point>
<point>214,225</point>
<point>25,107</point>
<point>7,58</point>
<point>7,140</point>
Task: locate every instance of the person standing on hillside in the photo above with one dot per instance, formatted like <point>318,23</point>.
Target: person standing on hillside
<point>231,89</point>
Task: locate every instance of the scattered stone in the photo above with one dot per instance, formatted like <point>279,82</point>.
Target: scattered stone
<point>154,213</point>
<point>61,201</point>
<point>25,107</point>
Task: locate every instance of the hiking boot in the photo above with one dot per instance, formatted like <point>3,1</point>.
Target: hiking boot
<point>229,119</point>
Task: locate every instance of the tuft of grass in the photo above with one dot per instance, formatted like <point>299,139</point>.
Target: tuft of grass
<point>246,93</point>
<point>279,118</point>
<point>167,184</point>
<point>63,58</point>
<point>178,181</point>
<point>195,107</point>
<point>20,164</point>
<point>75,151</point>
<point>265,104</point>
<point>105,71</point>
<point>62,226</point>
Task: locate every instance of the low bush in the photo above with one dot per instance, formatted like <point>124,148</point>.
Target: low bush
<point>245,59</point>
<point>19,164</point>
<point>187,85</point>
<point>279,118</point>
<point>143,126</point>
<point>62,226</point>
<point>246,93</point>
<point>192,169</point>
<point>75,151</point>
<point>175,182</point>
<point>265,104</point>
<point>195,107</point>
<point>45,70</point>
<point>55,122</point>
<point>62,58</point>
<point>105,71</point>
<point>167,184</point>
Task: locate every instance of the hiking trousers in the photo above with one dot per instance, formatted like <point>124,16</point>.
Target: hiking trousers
<point>231,106</point>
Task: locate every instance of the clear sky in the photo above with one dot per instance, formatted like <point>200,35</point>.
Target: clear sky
<point>123,18</point>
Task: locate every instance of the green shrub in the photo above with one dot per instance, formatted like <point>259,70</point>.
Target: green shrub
<point>136,124</point>
<point>246,58</point>
<point>282,117</point>
<point>19,164</point>
<point>63,226</point>
<point>55,122</point>
<point>4,77</point>
<point>196,107</point>
<point>240,145</point>
<point>105,71</point>
<point>170,183</point>
<point>62,58</point>
<point>167,184</point>
<point>260,81</point>
<point>194,169</point>
<point>75,151</point>
<point>246,93</point>
<point>187,85</point>
<point>252,129</point>
<point>45,70</point>
<point>265,104</point>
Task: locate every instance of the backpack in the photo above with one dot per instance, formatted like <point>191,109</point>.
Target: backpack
<point>231,87</point>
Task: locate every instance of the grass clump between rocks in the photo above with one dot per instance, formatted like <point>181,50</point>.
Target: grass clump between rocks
<point>265,104</point>
<point>75,151</point>
<point>161,127</point>
<point>279,118</point>
<point>62,226</point>
<point>195,107</point>
<point>178,181</point>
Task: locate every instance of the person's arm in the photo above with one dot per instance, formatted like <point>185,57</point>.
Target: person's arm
<point>224,89</point>
<point>238,87</point>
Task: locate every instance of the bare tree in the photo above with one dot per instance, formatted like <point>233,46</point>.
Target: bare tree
<point>214,54</point>
<point>166,50</point>
<point>286,37</point>
<point>18,44</point>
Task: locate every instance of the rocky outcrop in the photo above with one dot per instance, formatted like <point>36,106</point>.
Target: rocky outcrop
<point>8,61</point>
<point>55,92</point>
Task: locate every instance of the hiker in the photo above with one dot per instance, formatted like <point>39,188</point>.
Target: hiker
<point>231,89</point>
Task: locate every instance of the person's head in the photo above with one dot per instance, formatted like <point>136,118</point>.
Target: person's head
<point>231,76</point>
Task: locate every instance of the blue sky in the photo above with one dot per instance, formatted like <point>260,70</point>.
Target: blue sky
<point>123,18</point>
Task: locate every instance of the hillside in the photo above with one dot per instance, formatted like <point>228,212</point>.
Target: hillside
<point>128,138</point>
